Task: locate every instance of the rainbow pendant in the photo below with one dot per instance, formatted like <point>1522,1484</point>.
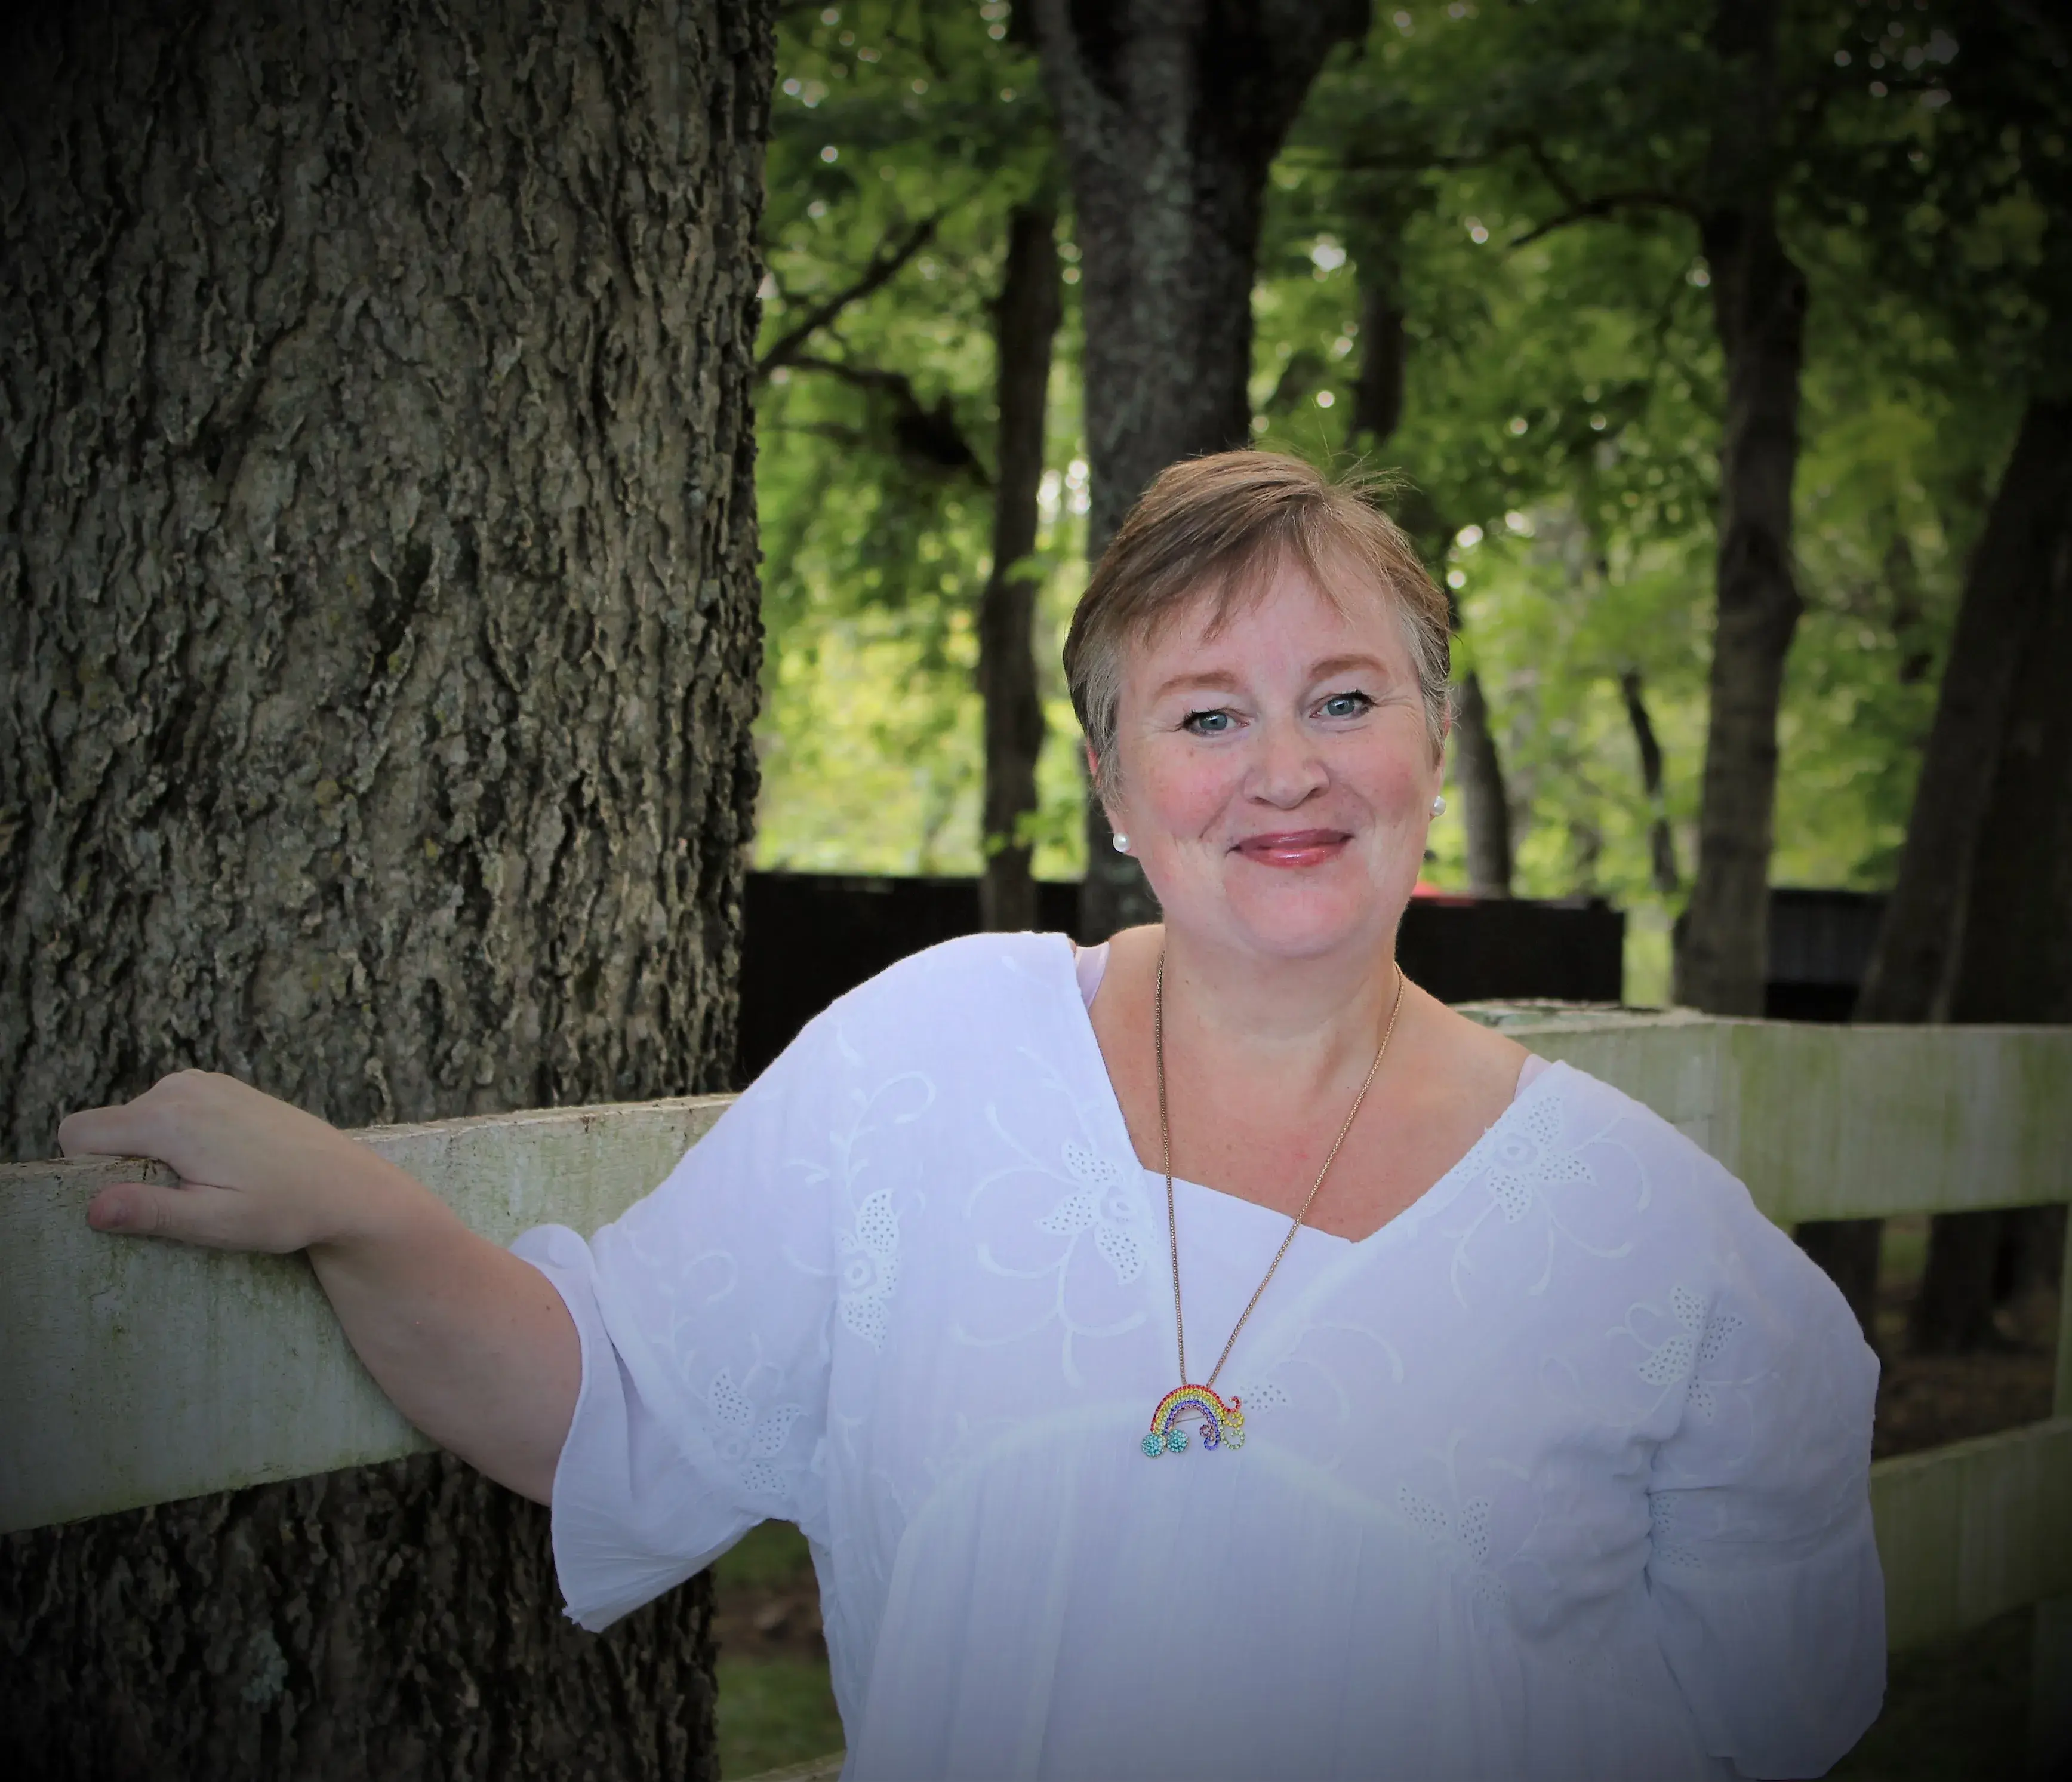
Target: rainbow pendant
<point>1225,1427</point>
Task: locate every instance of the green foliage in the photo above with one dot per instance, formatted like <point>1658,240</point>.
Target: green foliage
<point>876,437</point>
<point>1521,183</point>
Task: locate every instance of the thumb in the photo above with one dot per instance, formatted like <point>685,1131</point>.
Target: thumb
<point>193,1213</point>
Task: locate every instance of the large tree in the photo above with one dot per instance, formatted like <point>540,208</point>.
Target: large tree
<point>379,594</point>
<point>1170,112</point>
<point>1975,927</point>
<point>1758,305</point>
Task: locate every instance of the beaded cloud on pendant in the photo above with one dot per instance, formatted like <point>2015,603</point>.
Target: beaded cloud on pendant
<point>1225,1427</point>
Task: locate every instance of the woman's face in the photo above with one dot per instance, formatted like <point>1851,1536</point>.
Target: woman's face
<point>1277,775</point>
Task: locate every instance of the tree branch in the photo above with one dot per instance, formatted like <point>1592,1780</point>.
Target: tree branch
<point>1550,171</point>
<point>927,438</point>
<point>1576,208</point>
<point>884,266</point>
<point>1589,210</point>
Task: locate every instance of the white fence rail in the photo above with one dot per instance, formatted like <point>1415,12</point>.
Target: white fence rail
<point>137,1373</point>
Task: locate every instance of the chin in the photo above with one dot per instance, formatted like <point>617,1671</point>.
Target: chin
<point>1303,922</point>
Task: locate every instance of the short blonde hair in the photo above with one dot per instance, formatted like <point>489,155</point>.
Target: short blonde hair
<point>1218,528</point>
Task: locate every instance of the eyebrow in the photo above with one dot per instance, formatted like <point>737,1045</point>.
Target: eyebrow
<point>1187,683</point>
<point>1218,682</point>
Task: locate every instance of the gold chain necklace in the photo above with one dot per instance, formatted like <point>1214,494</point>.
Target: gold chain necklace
<point>1225,1424</point>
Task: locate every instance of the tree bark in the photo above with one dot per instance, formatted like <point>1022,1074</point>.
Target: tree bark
<point>2013,956</point>
<point>1170,112</point>
<point>1025,323</point>
<point>1487,800</point>
<point>2006,589</point>
<point>1759,308</point>
<point>1848,1250</point>
<point>1378,393</point>
<point>1661,837</point>
<point>379,599</point>
<point>1953,1313</point>
<point>1377,412</point>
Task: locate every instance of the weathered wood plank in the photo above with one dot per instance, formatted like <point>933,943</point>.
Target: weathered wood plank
<point>1844,1122</point>
<point>136,1373</point>
<point>814,1769</point>
<point>1968,1532</point>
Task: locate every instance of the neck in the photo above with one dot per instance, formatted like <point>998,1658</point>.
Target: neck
<point>1315,1016</point>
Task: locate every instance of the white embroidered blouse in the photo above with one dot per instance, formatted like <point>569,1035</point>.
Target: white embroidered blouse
<point>1562,1472</point>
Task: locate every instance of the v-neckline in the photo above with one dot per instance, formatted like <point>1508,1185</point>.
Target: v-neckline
<point>1406,1217</point>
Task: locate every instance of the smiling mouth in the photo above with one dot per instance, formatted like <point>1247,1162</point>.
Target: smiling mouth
<point>1293,847</point>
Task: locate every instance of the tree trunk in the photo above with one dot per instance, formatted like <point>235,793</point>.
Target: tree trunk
<point>379,600</point>
<point>1954,1311</point>
<point>1377,393</point>
<point>1377,412</point>
<point>2013,955</point>
<point>1487,815</point>
<point>2006,589</point>
<point>1661,837</point>
<point>1025,322</point>
<point>1990,800</point>
<point>1170,112</point>
<point>1759,310</point>
<point>1847,1250</point>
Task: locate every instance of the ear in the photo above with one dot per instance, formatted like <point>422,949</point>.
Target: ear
<point>1093,780</point>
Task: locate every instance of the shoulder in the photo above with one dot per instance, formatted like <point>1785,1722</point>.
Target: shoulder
<point>958,999</point>
<point>1591,1101</point>
<point>971,972</point>
<point>1698,1208</point>
<point>1678,1175</point>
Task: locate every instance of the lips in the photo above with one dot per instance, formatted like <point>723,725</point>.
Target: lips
<point>1293,848</point>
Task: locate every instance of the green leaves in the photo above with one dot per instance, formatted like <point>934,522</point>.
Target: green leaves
<point>1503,195</point>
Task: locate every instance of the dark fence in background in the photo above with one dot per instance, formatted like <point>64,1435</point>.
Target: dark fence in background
<point>807,938</point>
<point>1820,945</point>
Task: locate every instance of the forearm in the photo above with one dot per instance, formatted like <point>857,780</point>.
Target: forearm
<point>474,1346</point>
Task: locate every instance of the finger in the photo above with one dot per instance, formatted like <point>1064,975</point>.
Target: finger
<point>193,1214</point>
<point>106,1132</point>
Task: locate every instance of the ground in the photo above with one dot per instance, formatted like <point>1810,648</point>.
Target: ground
<point>1952,1714</point>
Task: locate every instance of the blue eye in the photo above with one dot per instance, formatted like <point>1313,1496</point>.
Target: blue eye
<point>1207,723</point>
<point>1347,705</point>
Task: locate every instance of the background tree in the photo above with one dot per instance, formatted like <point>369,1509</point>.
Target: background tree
<point>906,412</point>
<point>1759,296</point>
<point>379,600</point>
<point>1025,325</point>
<point>1170,112</point>
<point>1559,396</point>
<point>1976,928</point>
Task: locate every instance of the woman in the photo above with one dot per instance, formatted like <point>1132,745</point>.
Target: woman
<point>1533,1449</point>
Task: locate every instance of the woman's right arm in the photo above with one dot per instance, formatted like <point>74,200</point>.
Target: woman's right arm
<point>475,1346</point>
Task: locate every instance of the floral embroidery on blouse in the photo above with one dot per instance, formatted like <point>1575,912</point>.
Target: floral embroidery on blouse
<point>745,1444</point>
<point>1463,1537</point>
<point>1527,1168</point>
<point>1101,1197</point>
<point>1680,1361</point>
<point>869,1268</point>
<point>1106,1200</point>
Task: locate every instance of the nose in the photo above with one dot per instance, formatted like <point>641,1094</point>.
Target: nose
<point>1286,769</point>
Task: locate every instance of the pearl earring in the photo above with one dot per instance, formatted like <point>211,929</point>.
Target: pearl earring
<point>1121,843</point>
<point>1439,806</point>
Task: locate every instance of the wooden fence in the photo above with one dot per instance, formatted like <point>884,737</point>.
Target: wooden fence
<point>136,1373</point>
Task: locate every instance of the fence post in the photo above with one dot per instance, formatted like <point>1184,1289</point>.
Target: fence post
<point>2050,1668</point>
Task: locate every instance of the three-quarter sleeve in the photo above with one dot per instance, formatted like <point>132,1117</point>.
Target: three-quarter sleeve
<point>1763,1573</point>
<point>704,1317</point>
